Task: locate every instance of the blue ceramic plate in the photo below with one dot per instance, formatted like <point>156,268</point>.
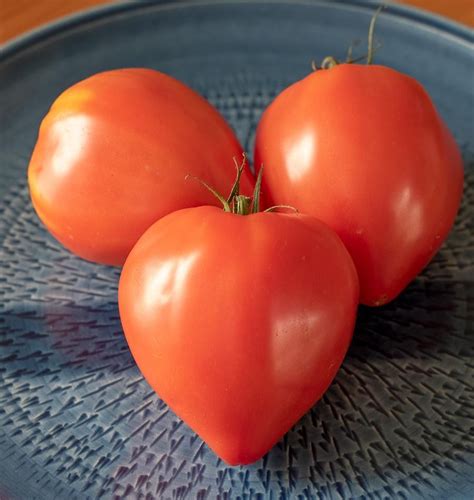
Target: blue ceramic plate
<point>77,420</point>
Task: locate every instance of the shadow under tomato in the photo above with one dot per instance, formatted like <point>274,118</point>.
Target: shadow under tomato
<point>48,337</point>
<point>397,390</point>
<point>403,382</point>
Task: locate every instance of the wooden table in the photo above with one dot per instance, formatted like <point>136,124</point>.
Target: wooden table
<point>18,16</point>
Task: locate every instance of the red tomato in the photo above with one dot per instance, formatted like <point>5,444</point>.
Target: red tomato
<point>238,322</point>
<point>363,149</point>
<point>112,156</point>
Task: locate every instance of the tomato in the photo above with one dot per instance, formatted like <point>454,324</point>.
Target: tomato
<point>239,323</point>
<point>363,149</point>
<point>112,156</point>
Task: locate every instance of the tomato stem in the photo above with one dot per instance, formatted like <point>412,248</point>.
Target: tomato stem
<point>241,205</point>
<point>275,207</point>
<point>370,37</point>
<point>236,187</point>
<point>350,49</point>
<point>224,202</point>
<point>329,61</point>
<point>256,192</point>
<point>237,203</point>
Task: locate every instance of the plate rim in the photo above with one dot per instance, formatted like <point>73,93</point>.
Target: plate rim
<point>24,41</point>
<point>63,25</point>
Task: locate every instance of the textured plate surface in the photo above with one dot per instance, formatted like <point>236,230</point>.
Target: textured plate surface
<point>77,420</point>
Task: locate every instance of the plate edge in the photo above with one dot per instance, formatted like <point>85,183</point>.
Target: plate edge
<point>24,41</point>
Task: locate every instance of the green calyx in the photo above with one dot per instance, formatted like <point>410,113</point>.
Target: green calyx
<point>237,203</point>
<point>330,61</point>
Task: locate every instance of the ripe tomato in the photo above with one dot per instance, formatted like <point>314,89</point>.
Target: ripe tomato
<point>363,149</point>
<point>112,156</point>
<point>238,322</point>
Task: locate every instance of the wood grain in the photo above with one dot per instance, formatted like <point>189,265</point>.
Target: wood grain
<point>461,11</point>
<point>19,16</point>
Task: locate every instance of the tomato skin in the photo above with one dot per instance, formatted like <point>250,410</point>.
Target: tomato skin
<point>363,149</point>
<point>239,323</point>
<point>112,156</point>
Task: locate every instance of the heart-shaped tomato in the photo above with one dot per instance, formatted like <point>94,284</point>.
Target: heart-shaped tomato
<point>239,323</point>
<point>112,156</point>
<point>363,149</point>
